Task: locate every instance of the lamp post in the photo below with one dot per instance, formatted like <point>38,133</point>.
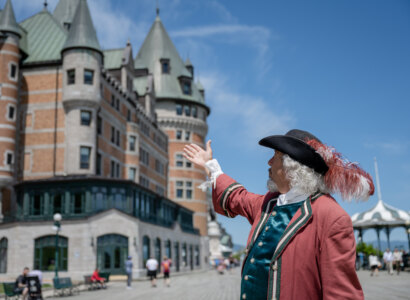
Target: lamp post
<point>57,227</point>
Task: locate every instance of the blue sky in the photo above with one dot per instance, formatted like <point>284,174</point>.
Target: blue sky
<point>339,69</point>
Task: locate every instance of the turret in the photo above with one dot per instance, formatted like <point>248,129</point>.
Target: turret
<point>9,82</point>
<point>189,67</point>
<point>82,62</point>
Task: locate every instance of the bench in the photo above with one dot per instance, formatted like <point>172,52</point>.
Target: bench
<point>8,288</point>
<point>64,286</point>
<point>89,283</point>
<point>105,275</point>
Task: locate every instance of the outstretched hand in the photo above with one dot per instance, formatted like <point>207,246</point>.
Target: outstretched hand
<point>197,155</point>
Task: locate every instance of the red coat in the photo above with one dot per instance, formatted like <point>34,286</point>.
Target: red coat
<point>315,257</point>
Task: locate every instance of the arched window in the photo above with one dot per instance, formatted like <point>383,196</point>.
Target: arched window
<point>146,251</point>
<point>191,257</point>
<point>45,252</point>
<point>184,255</point>
<point>197,260</point>
<point>3,255</point>
<point>158,251</point>
<point>168,249</point>
<point>176,259</point>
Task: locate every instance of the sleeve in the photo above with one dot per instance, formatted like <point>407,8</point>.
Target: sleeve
<point>231,199</point>
<point>337,262</point>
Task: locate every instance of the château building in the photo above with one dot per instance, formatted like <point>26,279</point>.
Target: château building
<point>96,135</point>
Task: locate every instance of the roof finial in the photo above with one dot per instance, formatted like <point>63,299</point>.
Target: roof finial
<point>45,4</point>
<point>157,9</point>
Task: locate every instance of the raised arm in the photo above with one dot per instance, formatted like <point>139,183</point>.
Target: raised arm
<point>199,156</point>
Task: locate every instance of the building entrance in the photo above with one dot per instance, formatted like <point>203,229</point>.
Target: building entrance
<point>112,252</point>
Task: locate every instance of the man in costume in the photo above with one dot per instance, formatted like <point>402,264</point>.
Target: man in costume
<point>301,245</point>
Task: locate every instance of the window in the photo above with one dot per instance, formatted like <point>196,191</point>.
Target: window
<point>117,140</point>
<point>44,253</point>
<point>160,190</point>
<point>112,169</point>
<point>85,153</point>
<point>132,143</point>
<point>179,109</point>
<point>85,117</point>
<point>194,112</point>
<point>117,170</point>
<point>184,189</point>
<point>112,134</point>
<point>158,251</point>
<point>99,198</point>
<point>112,100</point>
<point>187,88</point>
<point>11,112</point>
<point>117,104</point>
<point>179,160</point>
<point>98,165</point>
<point>197,260</point>
<point>131,173</point>
<point>187,135</point>
<point>179,134</point>
<point>88,76</point>
<point>3,255</point>
<point>36,205</point>
<point>9,158</point>
<point>57,202</point>
<point>13,71</point>
<point>146,253</point>
<point>187,110</point>
<point>77,205</point>
<point>180,189</point>
<point>184,255</point>
<point>144,182</point>
<point>128,115</point>
<point>99,125</point>
<point>144,156</point>
<point>159,167</point>
<point>165,66</point>
<point>71,76</point>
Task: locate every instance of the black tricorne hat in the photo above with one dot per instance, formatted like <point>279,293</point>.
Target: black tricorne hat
<point>293,143</point>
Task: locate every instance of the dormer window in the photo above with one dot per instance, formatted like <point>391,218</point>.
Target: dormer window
<point>187,88</point>
<point>166,68</point>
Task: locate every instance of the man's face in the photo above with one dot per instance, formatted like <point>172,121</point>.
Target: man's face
<point>277,172</point>
<point>25,272</point>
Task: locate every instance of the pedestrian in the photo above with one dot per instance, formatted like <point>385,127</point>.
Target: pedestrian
<point>20,286</point>
<point>374,264</point>
<point>152,267</point>
<point>128,270</point>
<point>301,243</point>
<point>397,260</point>
<point>166,267</point>
<point>388,261</point>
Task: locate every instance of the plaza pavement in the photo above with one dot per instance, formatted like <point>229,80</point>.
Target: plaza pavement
<point>210,285</point>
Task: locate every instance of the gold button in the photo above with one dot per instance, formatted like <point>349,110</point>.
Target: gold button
<point>266,228</point>
<point>260,244</point>
<point>252,260</point>
<point>246,277</point>
<point>243,296</point>
<point>274,268</point>
<point>274,213</point>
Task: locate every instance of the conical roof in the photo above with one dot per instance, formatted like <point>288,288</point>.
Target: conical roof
<point>188,62</point>
<point>82,32</point>
<point>64,11</point>
<point>8,21</point>
<point>156,47</point>
<point>381,214</point>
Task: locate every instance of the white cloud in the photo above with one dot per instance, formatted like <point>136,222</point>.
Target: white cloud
<point>388,146</point>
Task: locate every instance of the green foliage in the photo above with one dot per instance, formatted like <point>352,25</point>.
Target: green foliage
<point>367,249</point>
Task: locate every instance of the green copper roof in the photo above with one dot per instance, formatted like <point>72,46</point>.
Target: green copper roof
<point>140,85</point>
<point>113,58</point>
<point>8,20</point>
<point>157,46</point>
<point>82,32</point>
<point>45,37</point>
<point>199,86</point>
<point>64,11</point>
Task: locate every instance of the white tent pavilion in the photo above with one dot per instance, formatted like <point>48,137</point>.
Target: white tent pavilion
<point>381,217</point>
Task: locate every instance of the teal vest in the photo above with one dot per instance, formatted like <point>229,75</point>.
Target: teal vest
<point>255,274</point>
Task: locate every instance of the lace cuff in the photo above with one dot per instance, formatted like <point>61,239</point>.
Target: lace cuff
<point>215,170</point>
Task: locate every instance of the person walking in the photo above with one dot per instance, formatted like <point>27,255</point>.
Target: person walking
<point>128,270</point>
<point>301,243</point>
<point>388,261</point>
<point>397,260</point>
<point>166,266</point>
<point>152,267</point>
<point>374,264</point>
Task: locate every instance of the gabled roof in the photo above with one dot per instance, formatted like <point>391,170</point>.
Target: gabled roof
<point>64,11</point>
<point>381,214</point>
<point>158,45</point>
<point>8,21</point>
<point>45,37</point>
<point>82,32</point>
